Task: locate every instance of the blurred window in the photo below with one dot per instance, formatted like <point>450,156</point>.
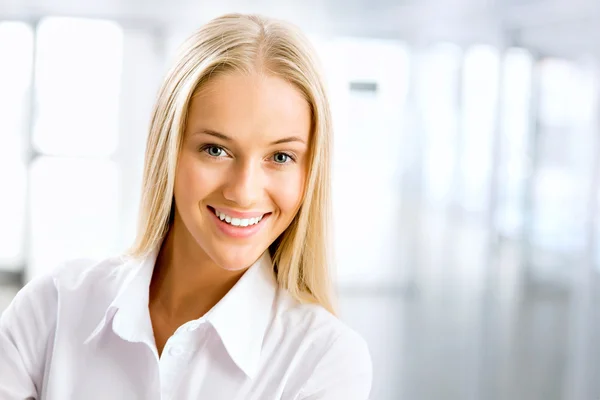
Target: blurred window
<point>437,91</point>
<point>77,87</point>
<point>479,111</point>
<point>368,81</point>
<point>515,122</point>
<point>16,53</point>
<point>74,181</point>
<point>565,151</point>
<point>74,209</point>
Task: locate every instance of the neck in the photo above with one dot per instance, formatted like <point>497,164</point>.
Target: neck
<point>186,283</point>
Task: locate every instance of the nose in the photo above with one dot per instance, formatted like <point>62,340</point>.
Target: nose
<point>244,185</point>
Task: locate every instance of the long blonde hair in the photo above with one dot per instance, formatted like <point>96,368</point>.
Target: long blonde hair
<point>236,42</point>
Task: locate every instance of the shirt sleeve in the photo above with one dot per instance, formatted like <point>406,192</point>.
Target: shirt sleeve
<point>344,373</point>
<point>25,327</point>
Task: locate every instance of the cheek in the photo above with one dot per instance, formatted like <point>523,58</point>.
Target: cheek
<point>287,190</point>
<point>193,181</point>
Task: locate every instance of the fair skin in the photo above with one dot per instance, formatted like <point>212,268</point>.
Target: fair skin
<point>244,155</point>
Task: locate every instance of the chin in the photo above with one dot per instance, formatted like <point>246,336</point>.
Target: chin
<point>235,259</point>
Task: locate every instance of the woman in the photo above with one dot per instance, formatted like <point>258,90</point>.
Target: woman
<point>225,294</point>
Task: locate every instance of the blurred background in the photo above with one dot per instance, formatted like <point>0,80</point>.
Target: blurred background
<point>466,171</point>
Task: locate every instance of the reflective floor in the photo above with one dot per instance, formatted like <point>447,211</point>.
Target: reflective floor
<point>458,349</point>
<point>480,318</point>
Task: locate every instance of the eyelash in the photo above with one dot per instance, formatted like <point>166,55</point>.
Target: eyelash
<point>206,147</point>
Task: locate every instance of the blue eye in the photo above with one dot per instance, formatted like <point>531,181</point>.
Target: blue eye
<point>214,151</point>
<point>282,158</point>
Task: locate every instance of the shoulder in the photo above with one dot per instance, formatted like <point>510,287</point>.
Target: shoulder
<point>315,322</point>
<point>337,357</point>
<point>79,273</point>
<point>35,302</point>
<point>337,342</point>
<point>28,326</point>
<point>38,300</point>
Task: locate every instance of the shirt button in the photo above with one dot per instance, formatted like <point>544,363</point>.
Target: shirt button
<point>175,351</point>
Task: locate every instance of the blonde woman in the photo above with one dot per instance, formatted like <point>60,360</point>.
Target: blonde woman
<point>226,292</point>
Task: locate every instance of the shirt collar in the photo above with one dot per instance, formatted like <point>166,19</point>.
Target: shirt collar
<point>240,319</point>
<point>128,310</point>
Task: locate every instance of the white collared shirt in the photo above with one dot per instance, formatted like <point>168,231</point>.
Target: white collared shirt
<point>84,332</point>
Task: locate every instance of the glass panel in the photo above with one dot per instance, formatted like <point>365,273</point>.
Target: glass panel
<point>515,122</point>
<point>480,96</point>
<point>368,80</point>
<point>75,207</point>
<point>437,98</point>
<point>565,152</point>
<point>16,53</point>
<point>78,73</point>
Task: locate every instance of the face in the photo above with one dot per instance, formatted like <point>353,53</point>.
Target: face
<point>242,167</point>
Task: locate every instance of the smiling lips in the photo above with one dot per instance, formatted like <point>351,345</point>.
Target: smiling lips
<point>238,221</point>
<point>236,226</point>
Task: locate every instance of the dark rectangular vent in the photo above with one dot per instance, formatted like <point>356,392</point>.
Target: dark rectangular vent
<point>363,87</point>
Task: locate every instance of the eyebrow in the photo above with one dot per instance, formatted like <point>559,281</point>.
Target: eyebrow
<point>228,139</point>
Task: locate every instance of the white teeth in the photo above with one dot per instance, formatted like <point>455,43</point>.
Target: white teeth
<point>238,221</point>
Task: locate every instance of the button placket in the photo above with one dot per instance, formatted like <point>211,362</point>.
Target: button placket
<point>174,363</point>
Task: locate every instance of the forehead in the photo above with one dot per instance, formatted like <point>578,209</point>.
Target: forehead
<point>250,106</point>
